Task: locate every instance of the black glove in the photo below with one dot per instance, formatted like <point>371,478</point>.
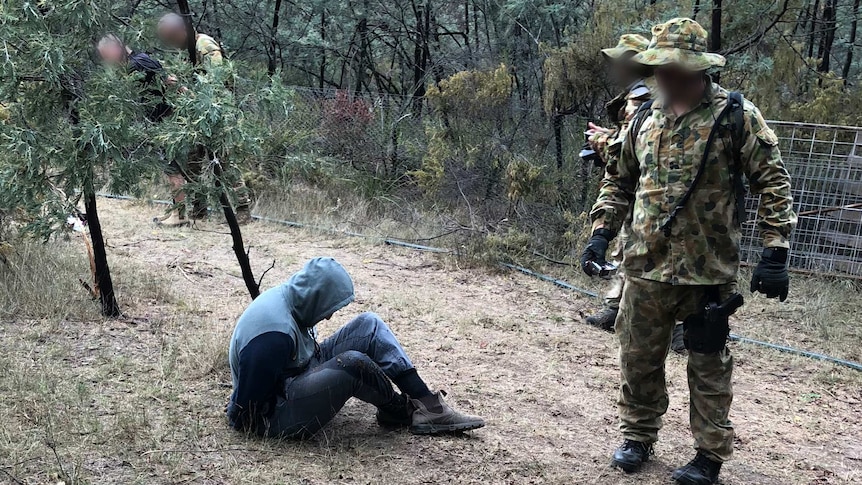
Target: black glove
<point>596,250</point>
<point>770,276</point>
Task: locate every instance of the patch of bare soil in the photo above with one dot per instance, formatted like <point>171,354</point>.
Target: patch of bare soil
<point>141,400</point>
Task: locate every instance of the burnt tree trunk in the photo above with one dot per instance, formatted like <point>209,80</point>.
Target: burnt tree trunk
<point>557,121</point>
<point>236,236</point>
<point>186,12</point>
<point>812,28</point>
<point>420,56</point>
<point>229,214</point>
<point>715,33</point>
<point>848,61</point>
<point>827,38</point>
<point>273,41</point>
<point>322,68</point>
<point>104,283</point>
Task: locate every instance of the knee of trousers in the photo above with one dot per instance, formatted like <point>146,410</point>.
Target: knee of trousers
<point>368,323</point>
<point>359,367</point>
<point>353,359</point>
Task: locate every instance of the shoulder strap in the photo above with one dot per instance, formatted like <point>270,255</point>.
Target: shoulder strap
<point>640,116</point>
<point>737,135</point>
<point>728,111</point>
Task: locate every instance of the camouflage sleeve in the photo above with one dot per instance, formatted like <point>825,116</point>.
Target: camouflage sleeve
<point>209,50</point>
<point>768,178</point>
<point>617,189</point>
<point>615,145</point>
<point>214,57</point>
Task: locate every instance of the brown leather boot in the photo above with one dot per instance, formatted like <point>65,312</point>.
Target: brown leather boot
<point>433,416</point>
<point>175,219</point>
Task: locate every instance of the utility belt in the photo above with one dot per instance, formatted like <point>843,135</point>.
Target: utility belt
<point>706,331</point>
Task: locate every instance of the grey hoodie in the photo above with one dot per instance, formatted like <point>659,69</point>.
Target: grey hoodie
<point>318,290</point>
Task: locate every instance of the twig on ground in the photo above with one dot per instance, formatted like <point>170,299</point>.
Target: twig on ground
<point>135,243</point>
<point>49,442</point>
<point>196,228</point>
<point>552,260</point>
<point>222,450</point>
<point>453,231</point>
<point>12,477</point>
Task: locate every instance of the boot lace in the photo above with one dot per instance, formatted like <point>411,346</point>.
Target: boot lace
<point>632,444</point>
<point>702,464</point>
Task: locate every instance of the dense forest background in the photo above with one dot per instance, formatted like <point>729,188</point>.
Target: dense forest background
<point>793,57</point>
<point>414,118</point>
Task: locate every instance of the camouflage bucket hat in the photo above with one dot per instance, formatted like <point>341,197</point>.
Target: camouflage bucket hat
<point>679,41</point>
<point>628,43</point>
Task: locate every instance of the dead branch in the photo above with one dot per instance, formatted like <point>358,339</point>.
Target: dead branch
<point>260,280</point>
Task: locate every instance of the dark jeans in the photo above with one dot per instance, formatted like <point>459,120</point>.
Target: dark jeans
<point>356,361</point>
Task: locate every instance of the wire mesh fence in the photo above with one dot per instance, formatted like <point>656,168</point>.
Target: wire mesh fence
<point>513,171</point>
<point>825,163</point>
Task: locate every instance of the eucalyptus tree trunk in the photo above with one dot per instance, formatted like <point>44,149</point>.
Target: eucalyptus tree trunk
<point>273,41</point>
<point>104,283</point>
<point>848,61</point>
<point>229,214</point>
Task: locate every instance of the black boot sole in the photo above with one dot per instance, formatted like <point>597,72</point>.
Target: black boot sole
<point>689,481</point>
<point>627,467</point>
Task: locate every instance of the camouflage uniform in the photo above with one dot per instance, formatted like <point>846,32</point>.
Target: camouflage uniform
<point>621,110</point>
<point>208,50</point>
<point>669,275</point>
<point>209,53</point>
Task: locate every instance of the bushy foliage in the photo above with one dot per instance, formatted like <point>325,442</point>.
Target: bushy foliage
<point>345,121</point>
<point>71,123</point>
<point>470,144</point>
<point>473,93</point>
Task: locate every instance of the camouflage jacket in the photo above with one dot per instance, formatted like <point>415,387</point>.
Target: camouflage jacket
<point>655,168</point>
<point>208,50</point>
<point>621,110</point>
<point>637,94</point>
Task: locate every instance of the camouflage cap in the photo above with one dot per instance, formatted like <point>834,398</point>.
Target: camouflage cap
<point>680,41</point>
<point>628,43</point>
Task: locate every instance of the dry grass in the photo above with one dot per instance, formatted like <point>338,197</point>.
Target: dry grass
<point>140,400</point>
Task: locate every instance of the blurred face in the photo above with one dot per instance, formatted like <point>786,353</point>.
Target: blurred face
<point>173,35</point>
<point>624,71</point>
<point>678,84</point>
<point>112,53</point>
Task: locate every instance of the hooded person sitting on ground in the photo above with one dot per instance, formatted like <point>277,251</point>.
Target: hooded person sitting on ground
<point>287,385</point>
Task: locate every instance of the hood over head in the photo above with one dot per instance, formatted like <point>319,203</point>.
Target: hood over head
<point>318,290</point>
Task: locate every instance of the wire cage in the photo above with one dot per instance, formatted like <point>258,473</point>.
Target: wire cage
<point>825,163</point>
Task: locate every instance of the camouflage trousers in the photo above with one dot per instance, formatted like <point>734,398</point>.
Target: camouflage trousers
<point>615,292</point>
<point>198,159</point>
<point>648,314</point>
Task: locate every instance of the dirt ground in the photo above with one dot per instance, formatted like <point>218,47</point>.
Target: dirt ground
<point>141,400</point>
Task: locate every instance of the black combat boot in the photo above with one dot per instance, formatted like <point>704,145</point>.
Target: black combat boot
<point>631,455</point>
<point>604,319</point>
<point>677,344</point>
<point>700,471</point>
